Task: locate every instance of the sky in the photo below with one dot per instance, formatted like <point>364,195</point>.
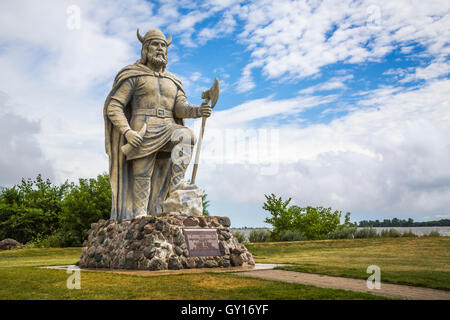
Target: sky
<point>341,104</point>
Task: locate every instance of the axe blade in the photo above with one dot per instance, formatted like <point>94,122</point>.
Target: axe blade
<point>214,92</point>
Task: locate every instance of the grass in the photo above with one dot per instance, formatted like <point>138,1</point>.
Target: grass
<point>20,279</point>
<point>423,261</point>
<point>39,257</point>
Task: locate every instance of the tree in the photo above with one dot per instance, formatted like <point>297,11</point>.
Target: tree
<point>31,208</point>
<point>87,202</point>
<point>205,204</point>
<point>315,223</point>
<point>281,217</point>
<point>311,222</point>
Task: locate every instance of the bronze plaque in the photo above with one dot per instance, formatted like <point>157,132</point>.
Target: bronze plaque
<point>202,242</point>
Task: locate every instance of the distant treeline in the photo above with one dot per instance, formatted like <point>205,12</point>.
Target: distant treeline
<point>404,223</point>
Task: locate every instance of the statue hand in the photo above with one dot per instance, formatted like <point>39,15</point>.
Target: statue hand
<point>205,110</point>
<point>133,138</point>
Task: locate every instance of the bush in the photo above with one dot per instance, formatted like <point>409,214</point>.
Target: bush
<point>346,232</point>
<point>433,234</point>
<point>390,233</point>
<point>56,240</point>
<point>366,233</point>
<point>24,224</point>
<point>408,233</point>
<point>45,215</point>
<point>31,208</point>
<point>290,235</point>
<point>84,204</point>
<point>240,237</point>
<point>314,223</point>
<point>259,235</point>
<point>205,204</point>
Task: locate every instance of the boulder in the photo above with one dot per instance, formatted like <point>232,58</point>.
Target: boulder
<point>8,244</point>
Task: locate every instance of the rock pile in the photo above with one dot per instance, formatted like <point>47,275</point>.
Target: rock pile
<point>8,244</point>
<point>158,243</point>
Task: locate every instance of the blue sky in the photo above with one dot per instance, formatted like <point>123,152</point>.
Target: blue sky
<point>343,104</point>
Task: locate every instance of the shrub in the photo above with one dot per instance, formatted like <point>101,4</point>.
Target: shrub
<point>408,233</point>
<point>84,204</point>
<point>259,235</point>
<point>390,233</point>
<point>290,235</point>
<point>240,237</point>
<point>346,232</point>
<point>56,240</point>
<point>313,222</point>
<point>433,233</point>
<point>366,233</point>
<point>31,208</point>
<point>205,204</point>
<point>24,224</point>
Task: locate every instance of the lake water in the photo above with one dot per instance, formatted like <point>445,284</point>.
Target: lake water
<point>420,231</point>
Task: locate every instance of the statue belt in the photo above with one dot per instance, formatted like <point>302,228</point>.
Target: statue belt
<point>153,111</point>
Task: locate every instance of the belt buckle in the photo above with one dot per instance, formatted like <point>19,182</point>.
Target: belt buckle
<point>160,113</point>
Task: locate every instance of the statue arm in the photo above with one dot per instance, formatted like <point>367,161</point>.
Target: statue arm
<point>185,110</point>
<point>119,100</point>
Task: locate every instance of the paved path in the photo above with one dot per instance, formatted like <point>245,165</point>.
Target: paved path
<point>388,290</point>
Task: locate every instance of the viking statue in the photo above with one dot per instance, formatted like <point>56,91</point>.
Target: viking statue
<point>145,109</point>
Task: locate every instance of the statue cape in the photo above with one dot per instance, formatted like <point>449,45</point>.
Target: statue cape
<point>119,168</point>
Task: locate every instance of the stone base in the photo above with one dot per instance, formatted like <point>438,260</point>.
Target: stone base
<point>158,243</point>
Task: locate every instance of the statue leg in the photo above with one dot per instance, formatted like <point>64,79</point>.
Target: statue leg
<point>142,174</point>
<point>160,183</point>
<point>183,141</point>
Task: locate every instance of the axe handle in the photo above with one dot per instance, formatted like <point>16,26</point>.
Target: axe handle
<point>199,146</point>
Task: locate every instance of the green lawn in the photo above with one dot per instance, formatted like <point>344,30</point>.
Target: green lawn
<point>39,257</point>
<point>420,261</point>
<point>21,279</point>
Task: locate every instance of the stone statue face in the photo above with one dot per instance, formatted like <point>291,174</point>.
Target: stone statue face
<point>157,53</point>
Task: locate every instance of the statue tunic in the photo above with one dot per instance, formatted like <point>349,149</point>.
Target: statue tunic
<point>155,99</point>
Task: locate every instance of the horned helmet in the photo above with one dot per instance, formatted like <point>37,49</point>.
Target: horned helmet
<point>153,34</point>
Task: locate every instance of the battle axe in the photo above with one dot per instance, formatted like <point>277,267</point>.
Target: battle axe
<point>209,95</point>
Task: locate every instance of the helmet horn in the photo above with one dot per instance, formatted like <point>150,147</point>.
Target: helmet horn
<point>139,36</point>
<point>169,41</point>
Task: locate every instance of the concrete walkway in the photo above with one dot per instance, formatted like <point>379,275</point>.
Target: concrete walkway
<point>388,290</point>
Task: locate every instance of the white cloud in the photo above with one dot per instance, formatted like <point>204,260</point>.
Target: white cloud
<point>295,39</point>
<point>331,84</point>
<point>433,70</point>
<point>21,154</point>
<point>389,156</point>
<point>266,108</point>
<point>443,216</point>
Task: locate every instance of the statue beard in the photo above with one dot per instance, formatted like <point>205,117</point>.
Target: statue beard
<point>158,60</point>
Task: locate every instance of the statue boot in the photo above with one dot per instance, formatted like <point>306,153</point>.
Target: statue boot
<point>141,195</point>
